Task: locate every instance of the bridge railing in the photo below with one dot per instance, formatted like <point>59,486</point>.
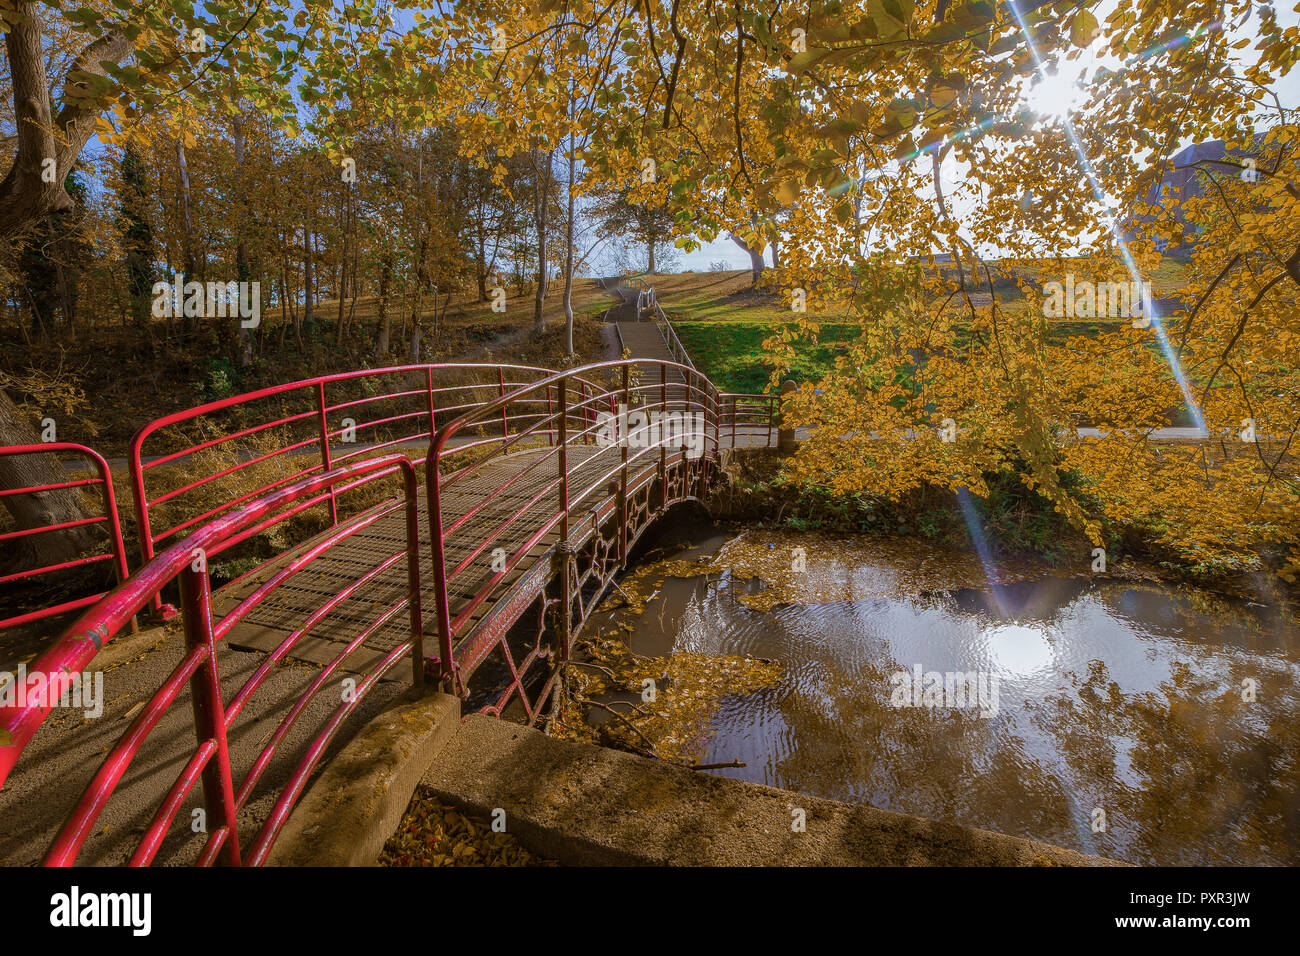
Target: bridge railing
<point>215,714</point>
<point>489,521</point>
<point>749,421</point>
<point>752,418</point>
<point>675,347</point>
<point>100,479</point>
<point>191,466</point>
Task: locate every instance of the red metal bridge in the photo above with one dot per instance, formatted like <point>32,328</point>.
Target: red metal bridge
<point>448,525</point>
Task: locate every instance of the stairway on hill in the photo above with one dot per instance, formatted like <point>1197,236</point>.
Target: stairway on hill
<point>643,340</point>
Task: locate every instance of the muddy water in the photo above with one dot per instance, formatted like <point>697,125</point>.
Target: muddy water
<point>1107,716</point>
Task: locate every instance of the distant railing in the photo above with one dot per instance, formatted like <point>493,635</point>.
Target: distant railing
<point>747,419</point>
<point>675,347</point>
<point>745,415</point>
<point>215,713</point>
<point>108,517</point>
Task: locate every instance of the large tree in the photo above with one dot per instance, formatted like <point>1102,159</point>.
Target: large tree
<point>49,138</point>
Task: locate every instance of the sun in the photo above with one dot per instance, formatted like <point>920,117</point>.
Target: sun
<point>1057,94</point>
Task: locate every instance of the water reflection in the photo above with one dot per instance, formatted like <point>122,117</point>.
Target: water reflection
<point>1127,698</point>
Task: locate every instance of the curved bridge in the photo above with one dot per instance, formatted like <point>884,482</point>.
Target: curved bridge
<point>329,547</point>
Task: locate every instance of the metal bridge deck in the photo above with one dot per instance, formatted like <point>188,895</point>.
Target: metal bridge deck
<point>284,610</point>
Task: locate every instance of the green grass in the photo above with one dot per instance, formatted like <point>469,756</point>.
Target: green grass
<point>723,322</point>
<point>731,352</point>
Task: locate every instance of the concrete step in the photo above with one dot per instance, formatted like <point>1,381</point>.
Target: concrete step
<point>582,804</point>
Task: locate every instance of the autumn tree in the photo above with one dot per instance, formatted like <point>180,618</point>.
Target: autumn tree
<point>650,226</point>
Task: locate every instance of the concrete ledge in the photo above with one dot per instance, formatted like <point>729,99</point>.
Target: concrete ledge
<point>130,646</point>
<point>356,803</point>
<point>583,804</point>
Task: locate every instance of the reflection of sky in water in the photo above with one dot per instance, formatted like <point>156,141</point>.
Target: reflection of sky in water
<point>1034,636</point>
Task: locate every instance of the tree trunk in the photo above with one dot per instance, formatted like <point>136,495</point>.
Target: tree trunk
<point>480,264</point>
<point>385,320</point>
<point>568,260</point>
<point>27,196</point>
<point>755,257</point>
<point>242,270</point>
<point>343,264</point>
<point>308,290</point>
<point>187,220</point>
<point>541,191</point>
<point>417,301</point>
<point>356,265</point>
<point>41,508</point>
<point>139,238</point>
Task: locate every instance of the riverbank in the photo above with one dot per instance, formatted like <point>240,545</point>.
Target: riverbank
<point>1110,697</point>
<point>1015,532</point>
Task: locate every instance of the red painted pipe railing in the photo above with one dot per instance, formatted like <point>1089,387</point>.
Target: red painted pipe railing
<point>746,416</point>
<point>266,439</point>
<point>116,552</point>
<point>551,418</point>
<point>750,416</point>
<point>576,402</point>
<point>214,715</point>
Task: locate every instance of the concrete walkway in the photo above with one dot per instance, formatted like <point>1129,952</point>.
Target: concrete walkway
<point>70,746</point>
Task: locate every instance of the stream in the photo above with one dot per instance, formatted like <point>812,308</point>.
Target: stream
<point>1129,719</point>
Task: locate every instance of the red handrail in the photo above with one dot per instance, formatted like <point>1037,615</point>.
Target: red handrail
<point>752,413</point>
<point>566,408</point>
<point>426,401</point>
<point>117,551</point>
<point>214,715</point>
<point>577,403</point>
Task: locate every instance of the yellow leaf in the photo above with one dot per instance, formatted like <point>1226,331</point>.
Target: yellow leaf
<point>1083,28</point>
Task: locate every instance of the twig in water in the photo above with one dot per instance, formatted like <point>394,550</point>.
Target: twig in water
<point>635,729</point>
<point>599,667</point>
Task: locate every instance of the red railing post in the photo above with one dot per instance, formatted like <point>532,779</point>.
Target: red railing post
<point>663,445</point>
<point>428,386</point>
<point>587,417</point>
<point>325,449</point>
<point>710,404</point>
<point>209,712</point>
<point>411,487</point>
<point>715,402</point>
<point>501,393</point>
<point>550,431</point>
<point>114,528</point>
<point>622,482</point>
<point>446,671</point>
<point>563,548</point>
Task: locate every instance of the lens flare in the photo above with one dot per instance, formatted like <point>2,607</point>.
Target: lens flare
<point>1149,310</point>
